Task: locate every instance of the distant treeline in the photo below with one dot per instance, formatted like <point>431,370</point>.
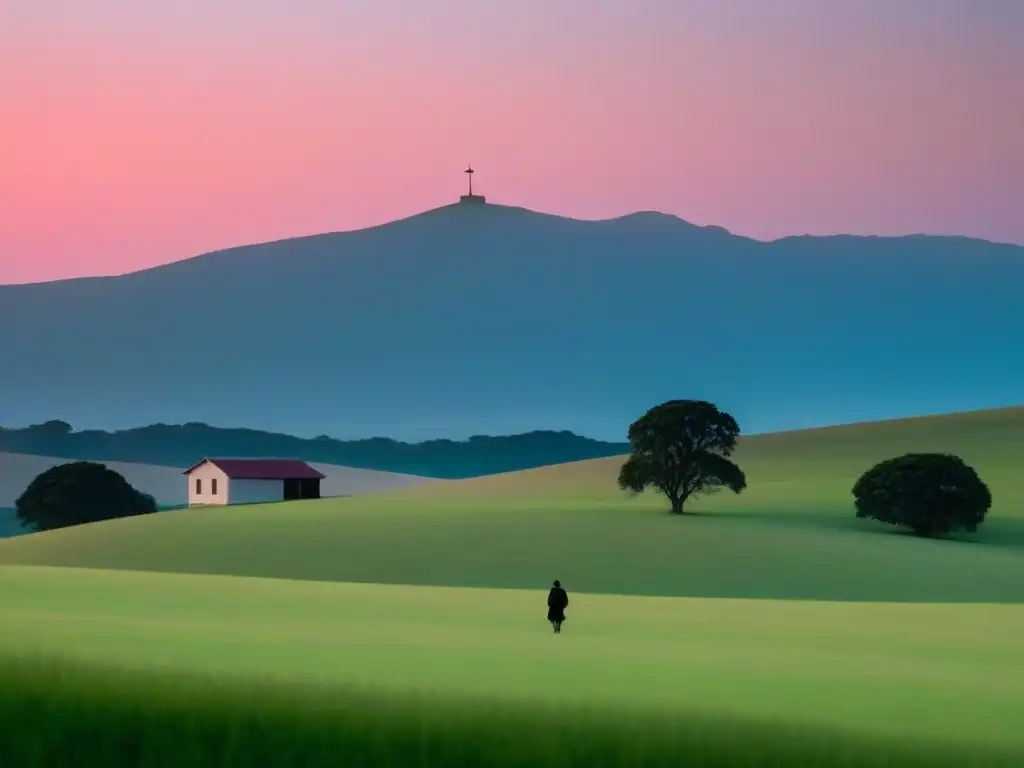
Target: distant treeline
<point>183,445</point>
<point>9,524</point>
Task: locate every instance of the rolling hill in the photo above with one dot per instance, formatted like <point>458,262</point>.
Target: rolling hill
<point>839,669</point>
<point>499,320</point>
<point>792,535</point>
<point>168,486</point>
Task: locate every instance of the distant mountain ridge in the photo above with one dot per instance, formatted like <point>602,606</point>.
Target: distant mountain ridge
<point>183,445</point>
<point>500,320</point>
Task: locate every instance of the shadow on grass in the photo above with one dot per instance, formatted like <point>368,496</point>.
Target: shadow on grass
<point>1002,532</point>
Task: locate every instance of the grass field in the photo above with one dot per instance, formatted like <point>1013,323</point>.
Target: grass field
<point>67,715</point>
<point>875,648</point>
<point>924,673</point>
<point>791,535</point>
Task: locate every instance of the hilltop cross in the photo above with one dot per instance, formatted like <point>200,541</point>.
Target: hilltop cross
<point>471,199</point>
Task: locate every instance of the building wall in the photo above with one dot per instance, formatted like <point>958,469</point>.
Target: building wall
<point>207,473</point>
<point>254,491</point>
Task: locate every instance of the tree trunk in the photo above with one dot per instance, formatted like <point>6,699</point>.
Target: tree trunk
<point>677,505</point>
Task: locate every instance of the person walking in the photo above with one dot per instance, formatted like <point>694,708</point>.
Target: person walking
<point>558,601</point>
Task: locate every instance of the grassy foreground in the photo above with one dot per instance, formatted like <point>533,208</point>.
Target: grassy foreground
<point>62,715</point>
<point>918,672</point>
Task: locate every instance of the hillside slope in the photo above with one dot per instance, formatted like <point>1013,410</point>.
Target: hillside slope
<point>820,463</point>
<point>168,486</point>
<point>791,535</point>
<point>499,320</point>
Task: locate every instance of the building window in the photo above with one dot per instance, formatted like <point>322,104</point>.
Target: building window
<point>213,486</point>
<point>199,486</point>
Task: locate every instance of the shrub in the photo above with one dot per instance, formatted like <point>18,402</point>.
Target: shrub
<point>79,492</point>
<point>932,494</point>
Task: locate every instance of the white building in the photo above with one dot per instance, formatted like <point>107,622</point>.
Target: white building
<point>250,481</point>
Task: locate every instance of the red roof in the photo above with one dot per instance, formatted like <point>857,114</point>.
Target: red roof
<point>262,469</point>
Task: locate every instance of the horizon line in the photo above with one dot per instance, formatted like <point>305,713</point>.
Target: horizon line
<point>457,205</point>
<point>812,428</point>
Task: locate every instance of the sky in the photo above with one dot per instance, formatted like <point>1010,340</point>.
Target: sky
<point>134,134</point>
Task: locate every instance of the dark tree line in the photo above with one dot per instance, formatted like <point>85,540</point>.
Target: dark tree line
<point>181,445</point>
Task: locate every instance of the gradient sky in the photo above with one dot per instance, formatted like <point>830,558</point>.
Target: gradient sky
<point>137,133</point>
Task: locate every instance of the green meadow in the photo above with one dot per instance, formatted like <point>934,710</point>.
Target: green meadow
<point>407,628</point>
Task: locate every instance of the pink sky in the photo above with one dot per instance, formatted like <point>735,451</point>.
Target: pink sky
<point>134,134</point>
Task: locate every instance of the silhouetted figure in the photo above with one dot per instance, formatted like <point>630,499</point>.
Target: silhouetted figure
<point>558,601</point>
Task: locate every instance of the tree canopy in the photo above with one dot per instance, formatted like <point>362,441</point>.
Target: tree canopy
<point>932,494</point>
<point>681,448</point>
<point>79,492</point>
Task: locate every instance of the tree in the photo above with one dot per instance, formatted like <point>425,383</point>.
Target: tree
<point>932,494</point>
<point>681,448</point>
<point>79,492</point>
<point>52,428</point>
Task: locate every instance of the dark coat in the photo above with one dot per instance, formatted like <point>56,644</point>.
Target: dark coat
<point>558,601</point>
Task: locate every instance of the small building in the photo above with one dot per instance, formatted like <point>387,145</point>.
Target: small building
<point>250,481</point>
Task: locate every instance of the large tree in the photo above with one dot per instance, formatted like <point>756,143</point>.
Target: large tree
<point>932,494</point>
<point>79,492</point>
<point>681,448</point>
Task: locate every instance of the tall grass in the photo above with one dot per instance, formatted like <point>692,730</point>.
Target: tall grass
<point>61,714</point>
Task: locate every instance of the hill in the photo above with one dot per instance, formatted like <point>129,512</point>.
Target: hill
<point>792,535</point>
<point>168,486</point>
<point>498,319</point>
<point>182,445</point>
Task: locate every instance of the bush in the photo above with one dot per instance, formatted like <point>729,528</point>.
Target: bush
<point>79,492</point>
<point>932,494</point>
